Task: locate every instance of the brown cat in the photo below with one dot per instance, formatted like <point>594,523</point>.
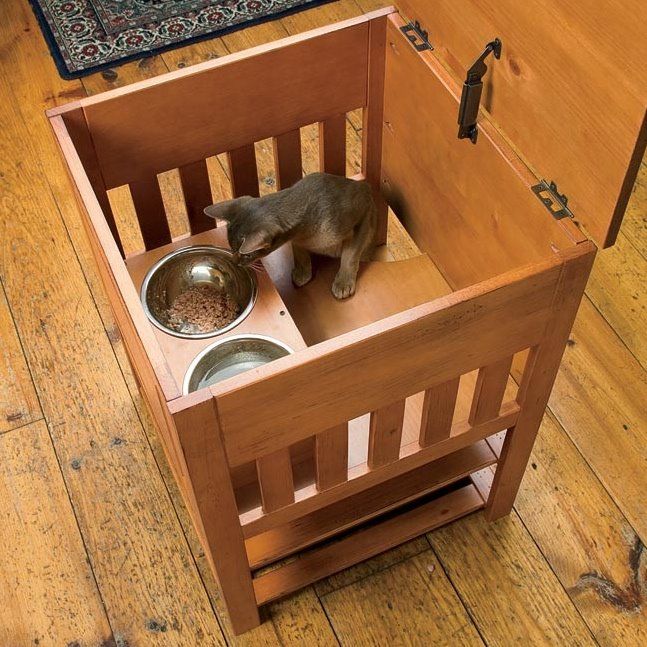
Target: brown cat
<point>322,213</point>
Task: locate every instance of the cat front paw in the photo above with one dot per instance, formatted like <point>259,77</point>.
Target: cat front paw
<point>343,287</point>
<point>301,275</point>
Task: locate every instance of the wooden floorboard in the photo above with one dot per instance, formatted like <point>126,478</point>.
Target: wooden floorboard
<point>114,554</point>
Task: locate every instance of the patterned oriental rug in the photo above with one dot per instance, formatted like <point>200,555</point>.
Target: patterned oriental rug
<point>85,36</point>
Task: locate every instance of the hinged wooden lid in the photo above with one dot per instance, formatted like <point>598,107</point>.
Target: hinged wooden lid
<point>570,90</point>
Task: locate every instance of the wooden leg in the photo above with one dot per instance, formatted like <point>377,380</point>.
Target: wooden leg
<point>201,441</point>
<point>537,382</point>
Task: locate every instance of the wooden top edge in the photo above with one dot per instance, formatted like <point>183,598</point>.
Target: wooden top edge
<point>50,113</point>
<point>236,56</point>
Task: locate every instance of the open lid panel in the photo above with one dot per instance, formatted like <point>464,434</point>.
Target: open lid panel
<point>569,92</point>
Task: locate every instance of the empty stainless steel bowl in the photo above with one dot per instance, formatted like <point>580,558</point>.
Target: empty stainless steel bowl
<point>231,356</point>
<point>192,266</point>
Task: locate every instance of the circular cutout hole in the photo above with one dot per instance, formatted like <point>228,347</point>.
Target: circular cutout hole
<point>217,293</point>
<point>231,356</point>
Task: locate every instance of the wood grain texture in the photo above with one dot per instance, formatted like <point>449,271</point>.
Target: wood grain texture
<point>442,221</point>
<point>328,66</point>
<point>361,477</point>
<point>537,381</point>
<point>205,455</point>
<point>364,543</point>
<point>438,412</point>
<point>402,355</point>
<point>197,195</point>
<point>115,488</point>
<point>385,434</point>
<point>151,215</point>
<point>18,400</point>
<point>350,511</point>
<point>598,398</point>
<point>243,172</point>
<point>605,92</point>
<point>331,457</point>
<point>618,289</point>
<point>287,159</point>
<point>489,390</point>
<point>47,590</point>
<point>275,480</point>
<point>412,600</point>
<point>587,541</point>
<point>373,123</point>
<point>332,145</point>
<point>515,597</point>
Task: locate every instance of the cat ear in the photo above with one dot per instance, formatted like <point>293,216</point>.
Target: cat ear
<point>256,241</point>
<point>228,209</point>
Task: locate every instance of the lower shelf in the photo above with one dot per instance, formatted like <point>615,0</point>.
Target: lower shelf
<point>284,540</point>
<point>367,542</point>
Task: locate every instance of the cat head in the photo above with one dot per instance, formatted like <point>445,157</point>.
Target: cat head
<point>251,233</point>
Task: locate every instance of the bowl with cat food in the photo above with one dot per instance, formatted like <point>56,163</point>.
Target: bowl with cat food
<point>231,356</point>
<point>198,292</point>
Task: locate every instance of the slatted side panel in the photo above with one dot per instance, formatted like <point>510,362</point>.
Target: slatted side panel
<point>489,391</point>
<point>385,434</point>
<point>332,145</point>
<point>243,171</point>
<point>331,457</point>
<point>147,199</point>
<point>275,480</point>
<point>287,158</point>
<point>438,412</point>
<point>197,195</point>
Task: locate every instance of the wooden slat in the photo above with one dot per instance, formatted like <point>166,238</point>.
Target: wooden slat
<point>489,390</point>
<point>294,81</point>
<point>537,382</point>
<point>438,412</point>
<point>202,445</point>
<point>332,145</point>
<point>308,392</point>
<point>197,195</point>
<point>275,480</point>
<point>151,215</point>
<point>287,158</point>
<point>47,590</point>
<point>373,122</point>
<point>360,477</point>
<point>365,543</point>
<point>352,511</point>
<point>492,239</point>
<point>18,400</point>
<point>385,434</point>
<point>331,457</point>
<point>242,171</point>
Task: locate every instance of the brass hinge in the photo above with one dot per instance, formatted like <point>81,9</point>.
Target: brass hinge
<point>417,36</point>
<point>553,200</point>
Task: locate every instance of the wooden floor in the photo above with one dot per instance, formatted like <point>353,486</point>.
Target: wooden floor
<point>95,545</point>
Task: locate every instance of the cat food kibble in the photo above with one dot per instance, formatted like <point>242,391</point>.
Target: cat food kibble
<point>202,308</point>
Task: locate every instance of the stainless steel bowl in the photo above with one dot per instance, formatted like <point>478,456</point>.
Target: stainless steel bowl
<point>231,356</point>
<point>190,266</point>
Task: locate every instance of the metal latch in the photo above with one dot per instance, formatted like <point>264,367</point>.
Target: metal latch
<point>553,200</point>
<point>471,96</point>
<point>417,36</point>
